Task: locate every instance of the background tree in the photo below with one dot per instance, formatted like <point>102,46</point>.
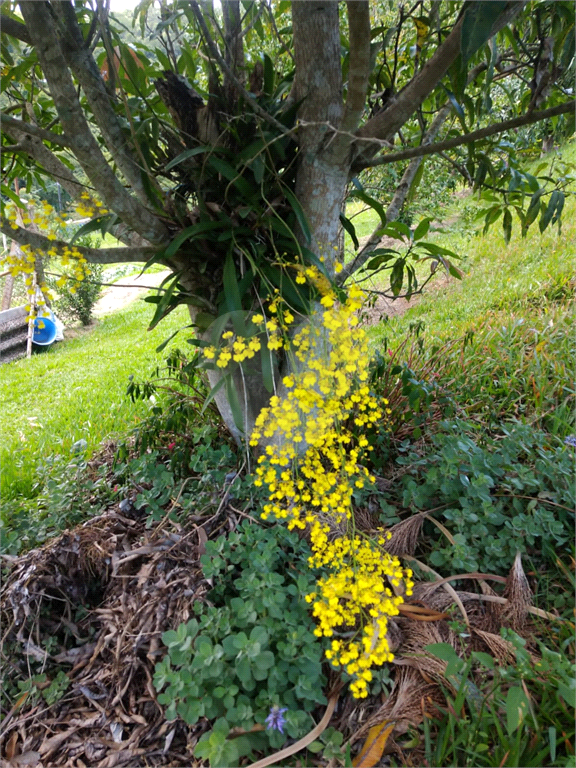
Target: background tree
<point>225,144</point>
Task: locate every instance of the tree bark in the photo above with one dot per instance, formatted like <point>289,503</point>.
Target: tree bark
<point>323,166</point>
<point>39,242</point>
<point>8,286</point>
<point>234,48</point>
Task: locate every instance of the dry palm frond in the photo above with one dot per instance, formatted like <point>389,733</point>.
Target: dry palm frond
<point>413,654</point>
<point>445,585</point>
<point>501,649</point>
<point>518,594</point>
<point>405,535</point>
<point>404,706</point>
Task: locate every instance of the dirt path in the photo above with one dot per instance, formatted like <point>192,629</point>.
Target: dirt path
<point>127,290</point>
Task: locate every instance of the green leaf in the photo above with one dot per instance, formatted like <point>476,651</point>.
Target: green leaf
<point>479,18</point>
<point>443,651</point>
<point>397,229</point>
<point>559,208</point>
<point>190,233</point>
<point>384,255</point>
<point>258,167</point>
<point>234,403</point>
<point>5,189</point>
<point>185,155</point>
<point>552,742</point>
<point>212,394</point>
<point>361,195</point>
<point>397,277</point>
<point>267,367</point>
<point>533,209</point>
<point>264,660</point>
<point>165,343</point>
<point>299,213</point>
<point>546,216</point>
<point>422,229</point>
<point>516,708</point>
<point>93,225</point>
<point>491,217</point>
<point>416,181</point>
<point>166,302</point>
<point>230,173</point>
<point>484,658</point>
<point>269,75</point>
<point>243,670</point>
<point>438,250</point>
<point>568,693</point>
<point>457,107</point>
<point>349,227</point>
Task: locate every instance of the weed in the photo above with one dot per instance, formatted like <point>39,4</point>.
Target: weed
<point>521,715</point>
<point>64,494</point>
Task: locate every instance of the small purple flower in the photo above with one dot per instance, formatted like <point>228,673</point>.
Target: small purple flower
<point>570,440</point>
<point>276,720</point>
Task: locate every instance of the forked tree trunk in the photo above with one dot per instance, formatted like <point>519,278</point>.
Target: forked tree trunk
<point>324,163</point>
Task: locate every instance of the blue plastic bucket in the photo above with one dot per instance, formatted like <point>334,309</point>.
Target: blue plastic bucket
<point>46,335</point>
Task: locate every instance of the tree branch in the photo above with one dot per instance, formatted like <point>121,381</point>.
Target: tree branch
<point>359,66</point>
<point>33,130</point>
<point>14,29</point>
<point>85,147</point>
<point>229,74</point>
<point>385,124</point>
<point>34,147</point>
<point>94,255</point>
<point>482,133</point>
<point>82,64</point>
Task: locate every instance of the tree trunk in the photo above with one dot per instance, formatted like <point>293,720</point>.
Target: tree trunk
<point>323,159</point>
<point>8,289</point>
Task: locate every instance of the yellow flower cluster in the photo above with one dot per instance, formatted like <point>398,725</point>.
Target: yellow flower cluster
<point>311,466</point>
<point>89,207</point>
<point>357,594</point>
<point>44,216</point>
<point>238,349</point>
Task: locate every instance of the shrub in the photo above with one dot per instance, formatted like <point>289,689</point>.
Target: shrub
<point>77,297</point>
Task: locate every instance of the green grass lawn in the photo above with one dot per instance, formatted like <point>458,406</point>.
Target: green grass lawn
<point>76,390</point>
